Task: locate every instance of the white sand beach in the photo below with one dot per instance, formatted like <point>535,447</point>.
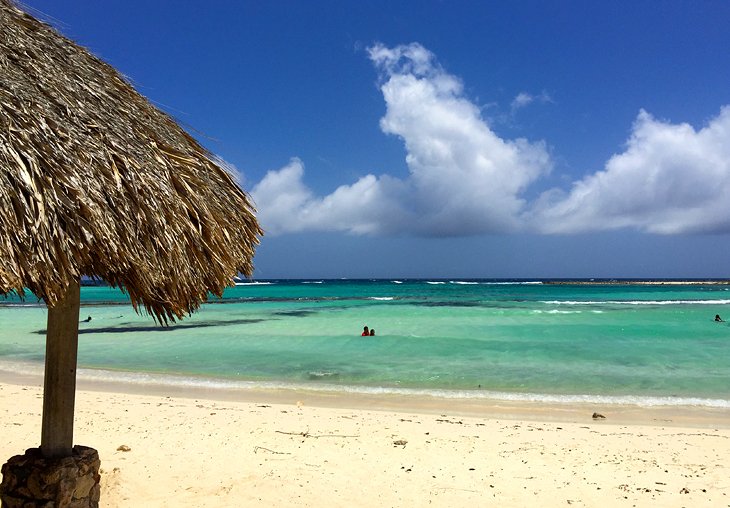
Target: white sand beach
<point>220,449</point>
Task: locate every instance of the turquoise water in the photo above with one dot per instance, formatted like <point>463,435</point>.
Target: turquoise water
<point>646,344</point>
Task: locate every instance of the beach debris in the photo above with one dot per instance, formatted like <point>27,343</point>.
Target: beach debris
<point>257,448</point>
<point>306,434</point>
<point>123,448</point>
<point>684,490</point>
<point>400,442</point>
<point>303,434</point>
<point>449,421</point>
<point>598,416</point>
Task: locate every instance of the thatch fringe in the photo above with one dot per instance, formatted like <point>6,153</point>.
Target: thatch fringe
<point>96,181</point>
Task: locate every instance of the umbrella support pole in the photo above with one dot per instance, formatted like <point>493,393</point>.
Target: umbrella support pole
<point>59,389</point>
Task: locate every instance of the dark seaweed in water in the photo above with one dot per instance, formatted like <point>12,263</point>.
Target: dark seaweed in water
<point>295,313</point>
<point>156,328</point>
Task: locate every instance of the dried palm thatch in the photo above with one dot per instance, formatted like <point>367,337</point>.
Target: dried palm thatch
<point>96,181</point>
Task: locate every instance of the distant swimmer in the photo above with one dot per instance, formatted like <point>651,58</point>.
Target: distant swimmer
<point>718,318</point>
<point>86,320</point>
<point>372,332</point>
<point>365,331</point>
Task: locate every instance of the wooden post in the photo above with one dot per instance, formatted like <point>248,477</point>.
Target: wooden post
<point>59,389</point>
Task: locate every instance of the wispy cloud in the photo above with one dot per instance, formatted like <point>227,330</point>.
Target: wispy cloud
<point>464,179</point>
<point>524,99</point>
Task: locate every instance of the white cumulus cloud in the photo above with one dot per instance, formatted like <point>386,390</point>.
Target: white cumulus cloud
<point>463,178</point>
<point>285,204</point>
<point>670,179</point>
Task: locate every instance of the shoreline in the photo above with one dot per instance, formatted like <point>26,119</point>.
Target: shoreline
<point>692,416</point>
<point>123,381</point>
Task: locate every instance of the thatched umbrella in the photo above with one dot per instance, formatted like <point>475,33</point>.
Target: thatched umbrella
<point>95,181</point>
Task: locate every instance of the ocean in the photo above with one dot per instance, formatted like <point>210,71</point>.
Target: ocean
<point>572,341</point>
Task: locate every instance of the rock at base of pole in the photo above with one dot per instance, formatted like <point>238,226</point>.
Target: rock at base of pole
<point>32,480</point>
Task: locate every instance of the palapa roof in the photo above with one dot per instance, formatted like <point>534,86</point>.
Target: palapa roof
<point>96,181</point>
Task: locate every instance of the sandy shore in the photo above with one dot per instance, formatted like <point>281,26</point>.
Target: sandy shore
<point>221,449</point>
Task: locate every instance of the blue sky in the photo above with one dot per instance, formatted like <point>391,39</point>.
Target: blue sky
<point>449,139</point>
